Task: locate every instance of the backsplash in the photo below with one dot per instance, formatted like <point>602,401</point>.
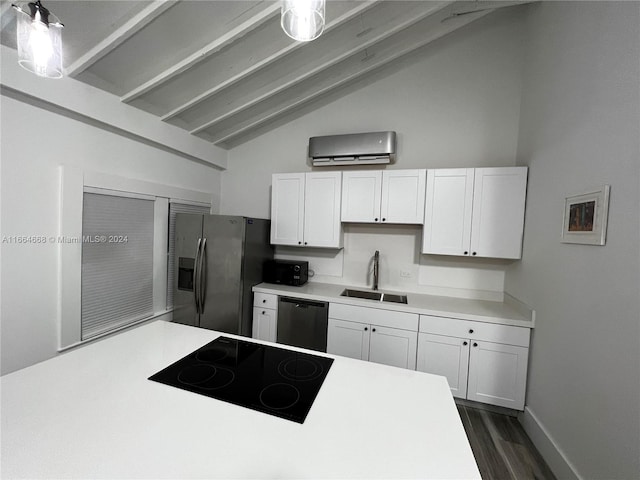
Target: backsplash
<point>402,267</point>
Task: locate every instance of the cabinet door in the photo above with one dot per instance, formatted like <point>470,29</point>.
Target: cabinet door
<point>287,208</point>
<point>361,196</point>
<point>448,209</point>
<point>497,374</point>
<point>392,346</point>
<point>403,196</point>
<point>264,324</point>
<point>446,356</point>
<point>322,226</point>
<point>349,339</point>
<point>498,212</point>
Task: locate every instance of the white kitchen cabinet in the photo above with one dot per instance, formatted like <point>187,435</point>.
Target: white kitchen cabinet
<point>370,341</point>
<point>497,374</point>
<point>393,346</point>
<point>265,317</point>
<point>349,339</point>
<point>287,208</point>
<point>484,362</point>
<point>305,209</point>
<point>361,196</point>
<point>448,207</point>
<point>390,196</point>
<point>446,356</point>
<point>475,212</point>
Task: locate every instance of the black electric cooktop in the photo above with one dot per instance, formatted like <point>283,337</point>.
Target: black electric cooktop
<point>272,380</point>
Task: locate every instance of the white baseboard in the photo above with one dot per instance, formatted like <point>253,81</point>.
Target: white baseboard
<point>550,451</point>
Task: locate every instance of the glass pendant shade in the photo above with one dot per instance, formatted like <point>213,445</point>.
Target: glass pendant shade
<point>39,40</point>
<point>303,20</point>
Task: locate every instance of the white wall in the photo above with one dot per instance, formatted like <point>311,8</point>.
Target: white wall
<point>456,104</point>
<point>30,206</point>
<point>580,125</point>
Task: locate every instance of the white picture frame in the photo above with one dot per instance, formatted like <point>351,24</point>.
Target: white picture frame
<point>585,217</point>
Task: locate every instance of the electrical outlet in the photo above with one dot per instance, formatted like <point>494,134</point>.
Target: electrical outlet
<point>405,274</point>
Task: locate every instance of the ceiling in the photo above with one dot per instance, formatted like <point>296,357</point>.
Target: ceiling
<point>224,70</point>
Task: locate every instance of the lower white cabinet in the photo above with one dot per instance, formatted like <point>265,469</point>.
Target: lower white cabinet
<point>393,346</point>
<point>389,346</point>
<point>482,362</point>
<point>497,374</point>
<point>446,356</point>
<point>349,339</point>
<point>265,317</point>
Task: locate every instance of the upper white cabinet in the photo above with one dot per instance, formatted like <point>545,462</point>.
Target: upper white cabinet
<point>393,196</point>
<point>475,211</point>
<point>305,209</point>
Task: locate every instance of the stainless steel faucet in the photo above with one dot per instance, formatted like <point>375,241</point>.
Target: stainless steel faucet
<point>376,269</point>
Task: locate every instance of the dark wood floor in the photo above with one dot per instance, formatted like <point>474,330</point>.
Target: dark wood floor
<point>502,448</point>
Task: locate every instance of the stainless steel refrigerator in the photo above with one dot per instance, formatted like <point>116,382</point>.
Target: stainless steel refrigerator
<point>218,259</point>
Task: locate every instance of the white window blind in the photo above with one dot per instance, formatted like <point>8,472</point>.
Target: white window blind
<point>175,208</point>
<point>117,262</point>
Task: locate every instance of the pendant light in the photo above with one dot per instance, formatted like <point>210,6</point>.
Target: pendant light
<point>39,40</point>
<point>303,20</point>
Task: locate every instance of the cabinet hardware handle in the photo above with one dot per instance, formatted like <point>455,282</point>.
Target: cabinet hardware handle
<point>384,219</point>
<point>263,312</point>
<point>376,219</point>
<point>305,243</point>
<point>366,328</point>
<point>264,300</point>
<point>299,243</point>
<point>471,330</point>
<point>466,253</point>
<point>475,344</point>
<point>373,329</point>
<point>465,343</point>
<point>473,253</point>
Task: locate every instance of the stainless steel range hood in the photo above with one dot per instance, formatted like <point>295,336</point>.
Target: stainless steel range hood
<point>353,149</point>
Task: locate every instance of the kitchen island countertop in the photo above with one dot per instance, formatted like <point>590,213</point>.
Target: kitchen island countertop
<point>92,413</point>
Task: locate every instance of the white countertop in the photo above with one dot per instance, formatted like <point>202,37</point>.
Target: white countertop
<point>505,313</point>
<point>92,413</point>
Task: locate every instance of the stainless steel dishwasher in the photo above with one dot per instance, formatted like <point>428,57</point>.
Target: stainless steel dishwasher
<point>303,323</point>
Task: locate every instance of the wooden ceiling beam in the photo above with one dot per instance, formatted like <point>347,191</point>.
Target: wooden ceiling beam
<point>431,9</point>
<point>77,100</point>
<point>359,9</point>
<point>120,35</point>
<point>198,56</point>
<point>377,61</point>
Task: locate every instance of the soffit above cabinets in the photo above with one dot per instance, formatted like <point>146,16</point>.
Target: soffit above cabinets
<point>224,70</point>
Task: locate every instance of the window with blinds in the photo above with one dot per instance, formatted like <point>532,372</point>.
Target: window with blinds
<point>117,262</point>
<point>175,208</point>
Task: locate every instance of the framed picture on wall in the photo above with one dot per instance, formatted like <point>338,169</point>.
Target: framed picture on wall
<point>585,217</point>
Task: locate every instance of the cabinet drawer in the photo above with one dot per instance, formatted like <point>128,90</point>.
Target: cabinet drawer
<point>265,300</point>
<point>374,316</point>
<point>490,332</point>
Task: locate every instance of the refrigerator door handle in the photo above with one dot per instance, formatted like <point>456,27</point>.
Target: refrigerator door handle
<point>196,277</point>
<point>203,275</point>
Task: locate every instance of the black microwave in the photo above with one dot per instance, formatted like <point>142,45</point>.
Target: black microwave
<point>286,272</point>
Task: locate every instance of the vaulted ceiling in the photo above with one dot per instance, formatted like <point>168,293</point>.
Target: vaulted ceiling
<point>224,70</point>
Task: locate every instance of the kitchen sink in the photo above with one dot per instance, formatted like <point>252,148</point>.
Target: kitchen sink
<point>390,297</point>
<point>378,296</point>
<point>361,294</point>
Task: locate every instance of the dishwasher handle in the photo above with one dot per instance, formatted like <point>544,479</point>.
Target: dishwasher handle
<point>299,303</point>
